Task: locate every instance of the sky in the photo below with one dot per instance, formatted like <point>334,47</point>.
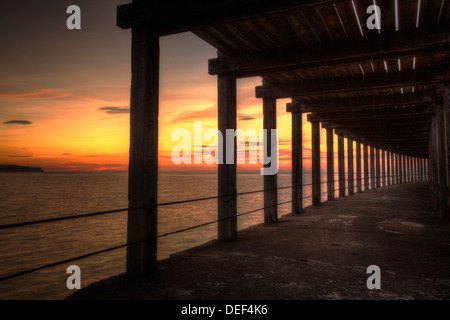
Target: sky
<point>64,94</point>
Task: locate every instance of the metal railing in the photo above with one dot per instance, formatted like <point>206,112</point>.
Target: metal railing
<point>393,178</point>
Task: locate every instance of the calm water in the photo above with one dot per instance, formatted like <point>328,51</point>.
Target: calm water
<point>34,196</point>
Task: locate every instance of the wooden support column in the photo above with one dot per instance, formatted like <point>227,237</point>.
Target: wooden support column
<point>407,169</point>
<point>402,166</point>
<point>432,170</point>
<point>446,113</point>
<point>419,169</point>
<point>297,163</point>
<point>270,181</point>
<point>366,167</point>
<point>393,175</point>
<point>358,167</point>
<point>442,161</point>
<point>410,169</point>
<point>416,169</point>
<point>350,171</point>
<point>372,168</point>
<point>227,202</point>
<point>316,181</point>
<point>397,168</point>
<point>341,166</point>
<point>330,164</point>
<point>377,155</point>
<point>143,156</point>
<point>383,168</point>
<point>388,168</point>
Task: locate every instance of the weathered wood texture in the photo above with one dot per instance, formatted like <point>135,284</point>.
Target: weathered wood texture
<point>358,167</point>
<point>316,179</point>
<point>297,162</point>
<point>366,168</point>
<point>341,166</point>
<point>270,180</point>
<point>350,169</point>
<point>330,164</point>
<point>143,156</point>
<point>227,189</point>
<point>442,162</point>
<point>372,168</point>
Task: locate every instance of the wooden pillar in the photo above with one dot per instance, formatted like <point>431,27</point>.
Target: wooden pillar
<point>270,180</point>
<point>421,166</point>
<point>416,169</point>
<point>297,163</point>
<point>316,181</point>
<point>442,161</point>
<point>341,166</point>
<point>446,114</point>
<point>388,168</point>
<point>366,167</point>
<point>358,167</point>
<point>372,168</point>
<point>402,168</point>
<point>433,177</point>
<point>377,161</point>
<point>227,202</point>
<point>393,175</point>
<point>330,164</point>
<point>406,168</point>
<point>397,168</point>
<point>383,168</point>
<point>409,164</point>
<point>143,156</point>
<point>350,171</point>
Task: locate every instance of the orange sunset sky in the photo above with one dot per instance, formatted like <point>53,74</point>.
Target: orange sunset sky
<point>64,94</point>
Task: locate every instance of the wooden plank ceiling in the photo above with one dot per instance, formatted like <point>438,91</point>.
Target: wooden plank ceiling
<point>378,86</point>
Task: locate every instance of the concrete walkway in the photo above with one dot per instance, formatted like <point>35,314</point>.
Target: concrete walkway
<point>321,254</point>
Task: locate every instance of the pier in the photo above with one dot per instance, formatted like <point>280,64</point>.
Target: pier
<point>322,254</point>
<point>383,92</point>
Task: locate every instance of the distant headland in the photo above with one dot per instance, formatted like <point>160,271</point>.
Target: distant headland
<point>13,168</point>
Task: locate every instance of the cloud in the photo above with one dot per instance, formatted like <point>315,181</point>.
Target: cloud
<point>115,110</point>
<point>24,122</point>
<point>244,117</point>
<point>196,115</point>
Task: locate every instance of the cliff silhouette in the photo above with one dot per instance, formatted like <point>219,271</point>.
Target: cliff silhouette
<point>13,168</point>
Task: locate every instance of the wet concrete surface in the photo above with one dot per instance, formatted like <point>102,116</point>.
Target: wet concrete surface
<point>322,254</point>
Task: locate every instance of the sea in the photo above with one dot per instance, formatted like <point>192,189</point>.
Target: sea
<point>35,196</point>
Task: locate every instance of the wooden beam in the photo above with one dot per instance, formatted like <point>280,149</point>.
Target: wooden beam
<point>378,167</point>
<point>377,102</point>
<point>330,164</point>
<point>442,161</point>
<point>382,46</point>
<point>316,175</point>
<point>270,181</point>
<point>351,181</point>
<point>372,168</point>
<point>409,78</point>
<point>297,165</point>
<point>143,157</point>
<point>371,114</point>
<point>358,167</point>
<point>388,168</point>
<point>366,167</point>
<point>227,189</point>
<point>341,165</point>
<point>170,17</point>
<point>383,168</point>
